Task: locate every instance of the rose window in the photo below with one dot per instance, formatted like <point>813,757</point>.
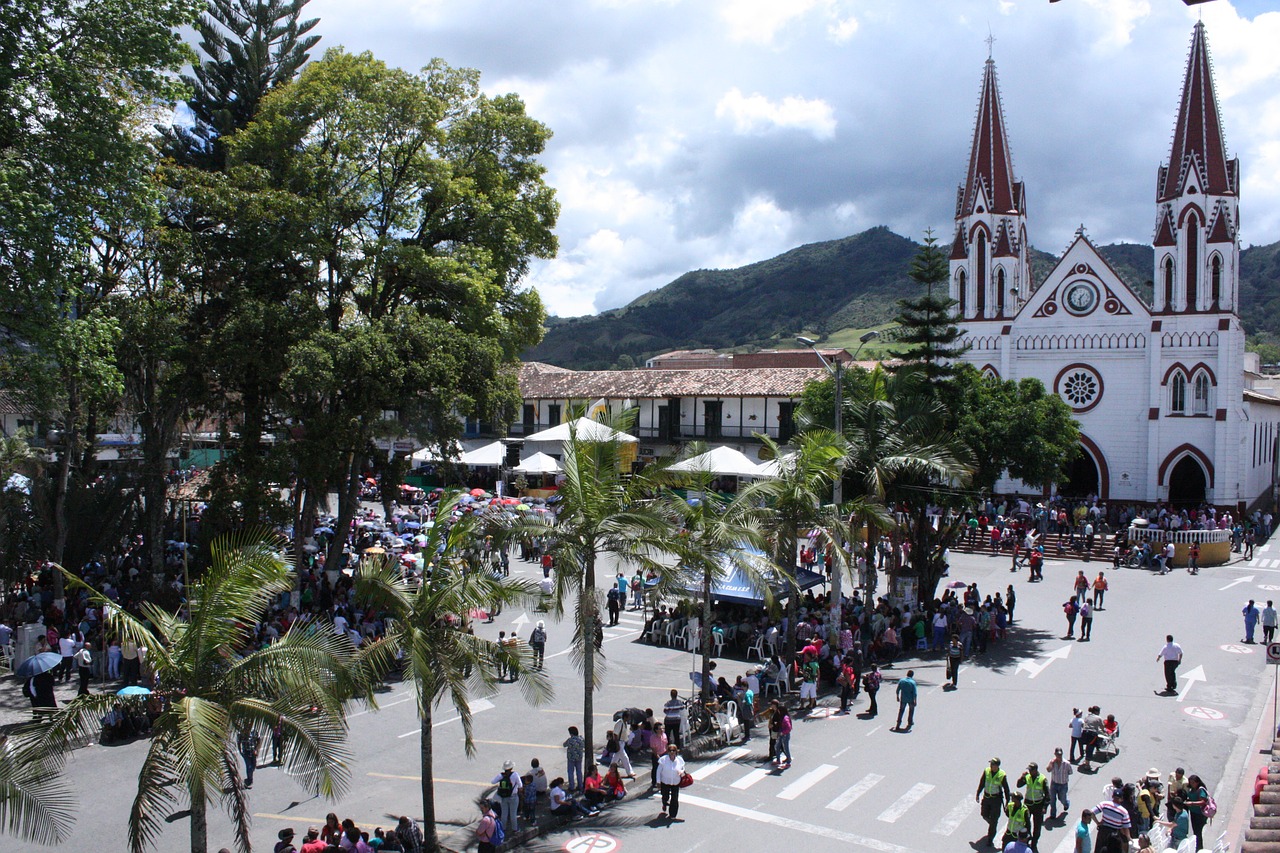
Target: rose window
<point>1080,387</point>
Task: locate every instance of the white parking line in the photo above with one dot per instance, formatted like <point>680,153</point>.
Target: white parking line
<point>380,707</point>
<point>476,707</point>
<point>807,781</point>
<point>848,798</point>
<point>720,763</point>
<point>796,825</point>
<point>952,820</point>
<point>750,779</point>
<point>906,801</point>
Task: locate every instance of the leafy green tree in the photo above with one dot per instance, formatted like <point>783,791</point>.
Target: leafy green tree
<point>217,686</point>
<point>250,47</point>
<point>417,203</point>
<point>928,335</point>
<point>1011,426</point>
<point>792,499</point>
<point>426,624</point>
<point>602,511</point>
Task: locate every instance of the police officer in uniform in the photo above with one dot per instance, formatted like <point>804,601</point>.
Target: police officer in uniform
<point>1037,798</point>
<point>1019,819</point>
<point>993,791</point>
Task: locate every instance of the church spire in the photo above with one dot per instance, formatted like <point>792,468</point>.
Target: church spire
<point>990,183</point>
<point>1198,144</point>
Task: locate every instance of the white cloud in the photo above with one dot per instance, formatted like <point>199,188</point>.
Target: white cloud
<point>758,21</point>
<point>754,113</point>
<point>842,29</point>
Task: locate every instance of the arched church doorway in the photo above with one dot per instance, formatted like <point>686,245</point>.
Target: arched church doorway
<point>1188,485</point>
<point>1080,479</point>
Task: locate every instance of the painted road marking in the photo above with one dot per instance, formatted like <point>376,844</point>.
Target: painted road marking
<point>386,706</point>
<point>850,796</point>
<point>796,825</point>
<point>807,781</point>
<point>476,707</point>
<point>1201,713</point>
<point>906,801</point>
<point>592,842</point>
<point>952,820</point>
<point>1236,649</point>
<point>720,763</point>
<point>750,779</point>
<point>472,783</point>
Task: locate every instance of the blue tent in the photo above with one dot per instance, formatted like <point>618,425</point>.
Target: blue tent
<point>735,588</point>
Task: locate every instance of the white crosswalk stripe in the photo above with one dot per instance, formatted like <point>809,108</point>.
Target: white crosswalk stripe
<point>750,779</point>
<point>846,799</point>
<point>905,802</point>
<point>807,781</point>
<point>720,763</point>
<point>952,820</point>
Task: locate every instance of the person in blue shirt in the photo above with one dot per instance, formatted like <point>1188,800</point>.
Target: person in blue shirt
<point>907,692</point>
<point>1084,844</point>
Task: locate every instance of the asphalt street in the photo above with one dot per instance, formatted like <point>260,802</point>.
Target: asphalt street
<point>854,783</point>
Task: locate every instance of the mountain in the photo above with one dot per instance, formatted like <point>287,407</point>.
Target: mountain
<point>821,289</point>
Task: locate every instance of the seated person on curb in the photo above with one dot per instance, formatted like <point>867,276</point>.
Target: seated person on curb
<point>592,787</point>
<point>564,805</point>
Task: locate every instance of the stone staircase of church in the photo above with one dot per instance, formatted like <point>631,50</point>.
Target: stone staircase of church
<point>1102,549</point>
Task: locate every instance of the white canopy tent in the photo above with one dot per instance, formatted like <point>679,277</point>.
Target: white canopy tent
<point>538,463</point>
<point>488,456</point>
<point>585,428</point>
<point>724,461</point>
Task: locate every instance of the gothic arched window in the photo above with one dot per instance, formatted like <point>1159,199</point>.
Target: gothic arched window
<point>1168,283</point>
<point>980,274</point>
<point>1200,394</point>
<point>1178,394</point>
<point>963,282</point>
<point>1215,282</point>
<point>1000,292</point>
<point>1193,260</point>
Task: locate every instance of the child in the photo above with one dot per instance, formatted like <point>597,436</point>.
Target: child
<point>539,777</point>
<point>529,798</point>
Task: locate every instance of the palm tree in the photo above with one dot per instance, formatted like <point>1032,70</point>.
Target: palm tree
<point>600,511</point>
<point>894,429</point>
<point>713,535</point>
<point>217,686</point>
<point>427,625</point>
<point>793,498</point>
<point>35,803</point>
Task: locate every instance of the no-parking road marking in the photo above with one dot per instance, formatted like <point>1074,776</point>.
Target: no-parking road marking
<point>1202,713</point>
<point>592,842</point>
<point>1236,649</point>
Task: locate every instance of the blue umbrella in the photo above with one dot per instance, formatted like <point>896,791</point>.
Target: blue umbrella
<point>37,664</point>
<point>133,690</point>
<point>412,525</point>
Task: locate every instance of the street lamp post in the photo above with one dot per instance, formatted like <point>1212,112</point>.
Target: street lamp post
<point>837,488</point>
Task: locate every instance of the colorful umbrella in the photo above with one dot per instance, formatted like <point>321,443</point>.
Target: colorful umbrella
<point>133,690</point>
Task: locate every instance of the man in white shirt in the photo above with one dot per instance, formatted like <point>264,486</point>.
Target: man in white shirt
<point>1171,654</point>
<point>1269,622</point>
<point>670,769</point>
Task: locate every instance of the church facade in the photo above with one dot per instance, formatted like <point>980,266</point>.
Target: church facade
<point>1167,410</point>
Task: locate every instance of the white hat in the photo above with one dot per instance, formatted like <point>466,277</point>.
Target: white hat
<point>541,624</point>
<point>507,765</point>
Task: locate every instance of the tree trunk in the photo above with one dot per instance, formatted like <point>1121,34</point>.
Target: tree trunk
<point>589,614</point>
<point>430,840</point>
<point>788,544</point>
<point>348,500</point>
<point>705,640</point>
<point>70,439</point>
<point>199,823</point>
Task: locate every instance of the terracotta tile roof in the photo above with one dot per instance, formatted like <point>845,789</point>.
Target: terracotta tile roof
<point>10,404</point>
<point>543,382</point>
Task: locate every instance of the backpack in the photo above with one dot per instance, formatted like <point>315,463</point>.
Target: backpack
<point>613,594</point>
<point>538,636</point>
<point>1210,806</point>
<point>506,787</point>
<point>499,833</point>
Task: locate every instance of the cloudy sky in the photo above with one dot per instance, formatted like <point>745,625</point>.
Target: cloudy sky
<point>712,133</point>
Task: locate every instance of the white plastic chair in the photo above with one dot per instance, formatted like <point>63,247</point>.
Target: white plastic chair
<point>669,635</point>
<point>692,636</point>
<point>730,725</point>
<point>718,639</point>
<point>757,647</point>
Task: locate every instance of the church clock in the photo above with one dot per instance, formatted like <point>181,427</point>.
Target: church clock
<point>1080,298</point>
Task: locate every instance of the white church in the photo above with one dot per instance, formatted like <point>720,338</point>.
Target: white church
<point>1166,407</point>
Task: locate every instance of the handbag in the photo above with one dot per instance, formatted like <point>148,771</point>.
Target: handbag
<point>685,780</point>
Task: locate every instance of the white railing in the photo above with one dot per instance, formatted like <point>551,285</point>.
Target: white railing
<point>1155,534</point>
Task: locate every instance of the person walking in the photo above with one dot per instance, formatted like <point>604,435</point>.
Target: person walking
<point>1171,655</point>
<point>1269,622</point>
<point>1086,621</point>
<point>1083,843</point>
<point>1077,733</point>
<point>1059,781</point>
<point>871,683</point>
<point>1193,558</point>
<point>1114,825</point>
<point>1081,587</point>
<point>907,692</point>
<point>673,712</point>
<point>84,666</point>
<point>1018,819</point>
<point>1036,799</point>
<point>614,603</point>
<point>780,722</point>
<point>538,643</point>
<point>248,744</point>
<point>955,654</point>
<point>1070,609</point>
<point>1251,617</point>
<point>657,748</point>
<point>993,791</point>
<point>509,784</point>
<point>1100,587</point>
<point>670,770</point>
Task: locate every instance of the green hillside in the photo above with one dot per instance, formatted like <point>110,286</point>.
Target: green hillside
<point>833,291</point>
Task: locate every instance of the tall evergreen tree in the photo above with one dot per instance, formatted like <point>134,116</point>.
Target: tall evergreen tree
<point>251,47</point>
<point>928,335</point>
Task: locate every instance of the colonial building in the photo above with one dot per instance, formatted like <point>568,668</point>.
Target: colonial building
<point>1166,408</point>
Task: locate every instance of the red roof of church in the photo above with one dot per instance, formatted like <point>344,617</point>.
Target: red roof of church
<point>1004,246</point>
<point>1197,137</point>
<point>990,163</point>
<point>958,250</point>
<point>1164,231</point>
<point>1220,232</point>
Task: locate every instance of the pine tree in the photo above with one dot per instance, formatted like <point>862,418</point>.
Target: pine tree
<point>251,47</point>
<point>927,333</point>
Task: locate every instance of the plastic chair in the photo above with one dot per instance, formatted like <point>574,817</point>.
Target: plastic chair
<point>718,639</point>
<point>922,643</point>
<point>669,635</point>
<point>757,647</point>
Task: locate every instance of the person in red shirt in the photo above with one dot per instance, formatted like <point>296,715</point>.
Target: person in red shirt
<point>313,843</point>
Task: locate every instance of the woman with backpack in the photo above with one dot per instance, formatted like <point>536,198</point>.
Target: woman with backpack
<point>509,784</point>
<point>1200,807</point>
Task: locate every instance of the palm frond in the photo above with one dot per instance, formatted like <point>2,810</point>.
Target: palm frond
<point>35,803</point>
<point>236,800</point>
<point>157,785</point>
